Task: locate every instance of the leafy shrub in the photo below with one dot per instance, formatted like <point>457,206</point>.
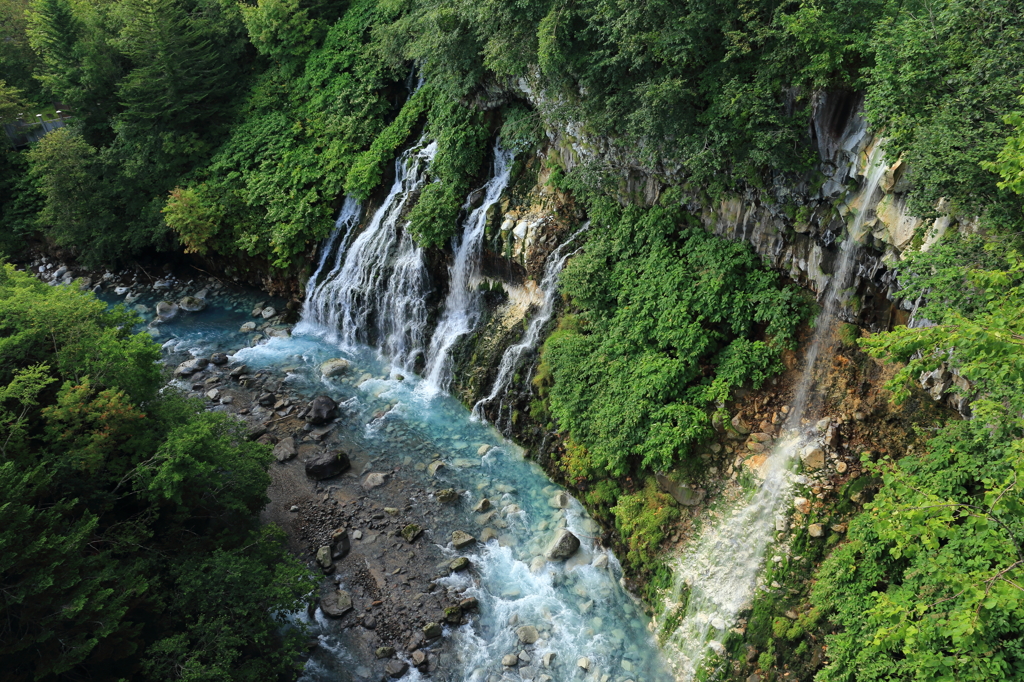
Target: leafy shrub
<point>641,519</point>
<point>671,319</point>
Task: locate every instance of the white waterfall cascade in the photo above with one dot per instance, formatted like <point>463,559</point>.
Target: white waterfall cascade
<point>462,306</point>
<point>376,292</point>
<point>513,356</point>
<point>348,218</point>
<point>720,569</point>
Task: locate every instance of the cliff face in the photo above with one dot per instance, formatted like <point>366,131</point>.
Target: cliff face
<point>796,222</point>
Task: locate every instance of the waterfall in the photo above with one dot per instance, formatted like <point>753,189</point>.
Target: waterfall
<point>513,356</point>
<point>348,218</point>
<point>462,305</point>
<point>720,569</point>
<point>375,293</point>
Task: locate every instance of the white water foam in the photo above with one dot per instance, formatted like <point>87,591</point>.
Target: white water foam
<point>376,292</point>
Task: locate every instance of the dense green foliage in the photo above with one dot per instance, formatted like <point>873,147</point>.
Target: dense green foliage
<point>929,587</point>
<point>257,116</point>
<point>129,541</point>
<point>671,319</point>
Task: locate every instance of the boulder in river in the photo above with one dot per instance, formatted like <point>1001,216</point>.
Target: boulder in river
<point>564,546</point>
<point>327,465</point>
<point>334,367</point>
<point>374,480</point>
<point>396,667</point>
<point>191,304</point>
<point>447,495</point>
<point>166,310</point>
<point>268,312</point>
<point>527,634</point>
<point>190,367</point>
<point>336,604</point>
<point>321,410</point>
<point>462,539</point>
<point>219,359</point>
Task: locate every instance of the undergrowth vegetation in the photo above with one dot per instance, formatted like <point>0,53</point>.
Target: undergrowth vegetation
<point>130,544</point>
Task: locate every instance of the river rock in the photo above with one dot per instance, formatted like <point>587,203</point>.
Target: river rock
<point>247,327</point>
<point>462,539</point>
<point>816,530</point>
<point>482,506</point>
<point>166,310</point>
<point>447,495</point>
<point>434,467</point>
<point>419,659</point>
<point>682,493</point>
<point>323,557</point>
<point>321,410</point>
<point>527,634</point>
<point>285,449</point>
<point>459,564</point>
<point>334,367</point>
<point>510,660</point>
<point>583,662</point>
<point>739,426</point>
<point>385,651</point>
<point>327,465</point>
<point>213,394</point>
<point>547,659</point>
<point>432,631</point>
<point>191,304</point>
<point>813,458</point>
<point>219,359</point>
<point>374,480</point>
<point>190,367</point>
<point>559,501</point>
<point>336,604</point>
<point>564,546</point>
<point>340,543</point>
<point>396,667</point>
<point>411,532</point>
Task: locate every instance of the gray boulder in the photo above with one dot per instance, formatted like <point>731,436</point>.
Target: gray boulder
<point>219,359</point>
<point>334,367</point>
<point>396,667</point>
<point>190,367</point>
<point>682,493</point>
<point>564,546</point>
<point>327,465</point>
<point>321,410</point>
<point>285,449</point>
<point>191,304</point>
<point>336,604</point>
<point>166,310</point>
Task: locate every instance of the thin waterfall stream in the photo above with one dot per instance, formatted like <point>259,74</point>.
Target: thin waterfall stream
<point>716,577</point>
<point>461,311</point>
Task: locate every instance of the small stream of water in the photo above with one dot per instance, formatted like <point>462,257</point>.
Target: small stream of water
<point>717,575</point>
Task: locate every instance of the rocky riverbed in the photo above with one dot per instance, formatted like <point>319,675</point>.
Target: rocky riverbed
<point>443,552</point>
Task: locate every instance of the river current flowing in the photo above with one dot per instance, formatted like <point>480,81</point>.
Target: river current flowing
<point>580,610</point>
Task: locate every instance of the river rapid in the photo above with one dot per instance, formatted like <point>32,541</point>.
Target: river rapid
<point>581,613</point>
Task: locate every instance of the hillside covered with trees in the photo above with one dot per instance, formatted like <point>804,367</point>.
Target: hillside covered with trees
<point>129,543</point>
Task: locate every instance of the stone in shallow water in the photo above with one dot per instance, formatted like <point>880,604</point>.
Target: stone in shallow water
<point>336,604</point>
<point>564,546</point>
<point>527,634</point>
<point>462,539</point>
<point>374,480</point>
